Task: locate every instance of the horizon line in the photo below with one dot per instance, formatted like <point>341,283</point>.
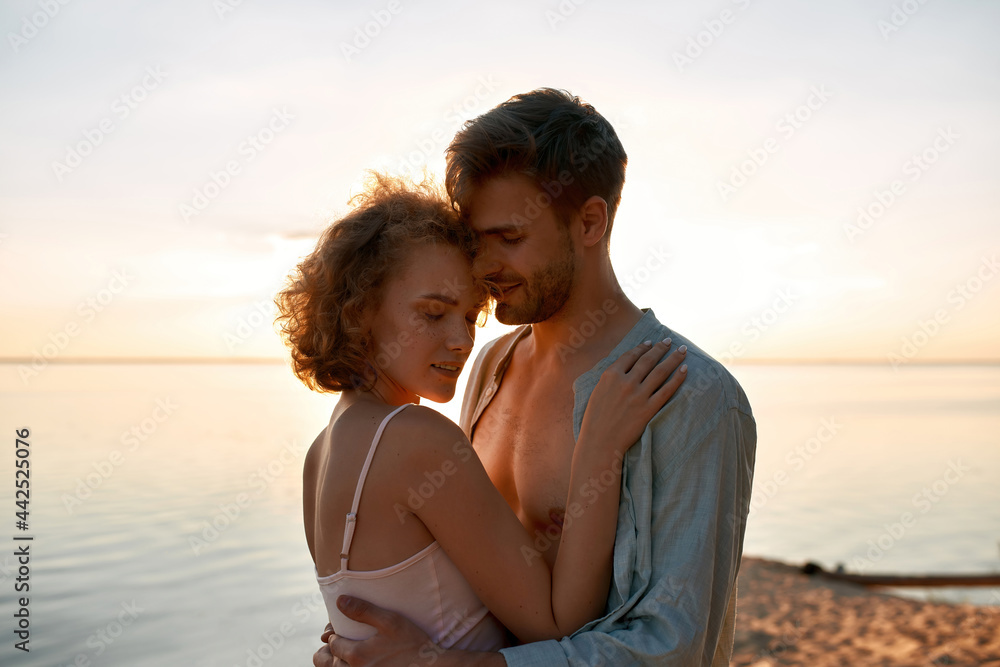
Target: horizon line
<point>762,361</point>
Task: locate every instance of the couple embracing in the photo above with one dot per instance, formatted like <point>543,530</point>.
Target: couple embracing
<point>590,508</point>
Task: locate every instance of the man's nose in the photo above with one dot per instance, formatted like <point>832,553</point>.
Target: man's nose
<point>485,265</point>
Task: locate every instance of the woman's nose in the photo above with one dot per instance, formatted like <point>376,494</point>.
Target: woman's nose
<point>462,338</point>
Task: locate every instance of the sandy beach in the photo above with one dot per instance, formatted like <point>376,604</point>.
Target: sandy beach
<point>787,618</point>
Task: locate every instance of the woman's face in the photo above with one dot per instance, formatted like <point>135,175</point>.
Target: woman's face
<point>424,329</point>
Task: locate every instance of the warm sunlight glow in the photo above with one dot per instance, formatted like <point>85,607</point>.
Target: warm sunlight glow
<point>848,193</point>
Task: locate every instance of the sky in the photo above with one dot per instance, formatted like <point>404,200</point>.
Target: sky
<point>805,180</point>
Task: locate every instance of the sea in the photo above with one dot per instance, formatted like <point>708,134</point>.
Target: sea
<point>165,523</point>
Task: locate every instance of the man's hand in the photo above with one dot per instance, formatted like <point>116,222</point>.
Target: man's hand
<point>397,642</point>
<point>323,657</point>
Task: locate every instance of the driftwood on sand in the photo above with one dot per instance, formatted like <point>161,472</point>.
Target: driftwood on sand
<point>897,580</point>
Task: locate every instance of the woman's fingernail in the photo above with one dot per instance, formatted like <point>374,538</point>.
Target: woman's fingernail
<point>666,341</point>
<point>648,342</point>
<point>684,368</point>
<point>683,349</point>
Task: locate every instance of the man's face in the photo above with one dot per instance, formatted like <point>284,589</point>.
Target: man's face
<point>526,250</point>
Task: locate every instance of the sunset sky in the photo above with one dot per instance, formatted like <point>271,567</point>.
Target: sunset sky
<point>805,180</point>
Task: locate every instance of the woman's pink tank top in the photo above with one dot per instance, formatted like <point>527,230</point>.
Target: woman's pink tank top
<point>427,588</point>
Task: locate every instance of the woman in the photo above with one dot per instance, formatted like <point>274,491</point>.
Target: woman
<point>398,509</point>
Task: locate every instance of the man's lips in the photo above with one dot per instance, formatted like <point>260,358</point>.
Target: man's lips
<point>506,289</point>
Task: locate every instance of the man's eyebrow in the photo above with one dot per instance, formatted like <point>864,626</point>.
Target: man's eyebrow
<point>508,228</point>
<point>444,298</point>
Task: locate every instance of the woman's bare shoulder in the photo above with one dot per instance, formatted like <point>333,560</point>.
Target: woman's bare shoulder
<point>315,454</point>
<point>420,434</point>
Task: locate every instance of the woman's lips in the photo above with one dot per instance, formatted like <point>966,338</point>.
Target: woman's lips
<point>448,367</point>
<point>449,370</point>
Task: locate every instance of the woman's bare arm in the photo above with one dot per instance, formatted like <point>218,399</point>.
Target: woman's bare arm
<point>488,544</point>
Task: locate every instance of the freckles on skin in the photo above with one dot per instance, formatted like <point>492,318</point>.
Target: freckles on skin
<point>423,323</point>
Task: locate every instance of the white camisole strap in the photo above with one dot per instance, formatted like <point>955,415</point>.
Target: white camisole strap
<point>352,517</point>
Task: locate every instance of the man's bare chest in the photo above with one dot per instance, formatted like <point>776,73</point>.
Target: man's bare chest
<point>525,440</point>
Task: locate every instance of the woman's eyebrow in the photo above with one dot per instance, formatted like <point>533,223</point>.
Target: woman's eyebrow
<point>444,298</point>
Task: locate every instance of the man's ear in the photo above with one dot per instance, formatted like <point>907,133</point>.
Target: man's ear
<point>594,216</point>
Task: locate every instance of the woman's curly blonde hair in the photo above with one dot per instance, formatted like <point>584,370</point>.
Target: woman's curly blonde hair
<point>323,307</point>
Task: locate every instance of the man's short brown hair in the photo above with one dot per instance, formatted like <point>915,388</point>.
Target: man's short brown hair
<point>569,150</point>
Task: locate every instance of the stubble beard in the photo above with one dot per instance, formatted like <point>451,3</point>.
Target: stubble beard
<point>544,292</point>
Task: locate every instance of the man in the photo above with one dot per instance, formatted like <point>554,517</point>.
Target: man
<point>540,178</point>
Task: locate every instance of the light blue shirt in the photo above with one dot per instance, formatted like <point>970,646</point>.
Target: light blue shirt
<point>681,520</point>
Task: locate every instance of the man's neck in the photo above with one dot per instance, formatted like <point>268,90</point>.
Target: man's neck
<point>592,322</point>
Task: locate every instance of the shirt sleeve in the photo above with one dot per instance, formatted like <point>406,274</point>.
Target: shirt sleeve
<point>674,590</point>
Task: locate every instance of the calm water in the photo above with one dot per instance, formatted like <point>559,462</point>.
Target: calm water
<point>186,547</point>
